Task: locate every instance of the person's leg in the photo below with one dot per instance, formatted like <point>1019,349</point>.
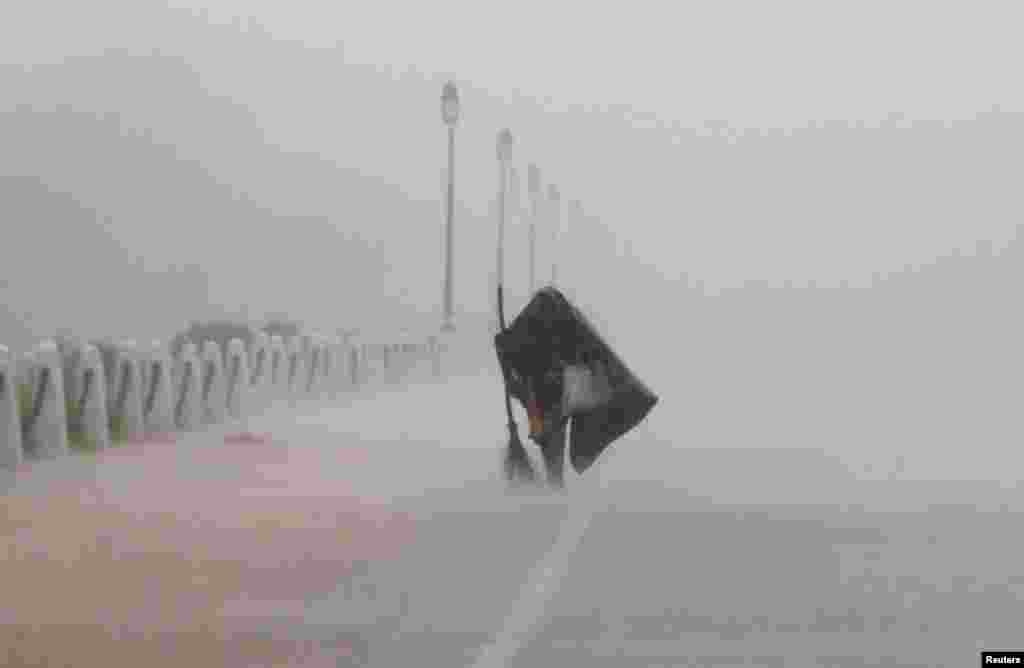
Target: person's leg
<point>553,451</point>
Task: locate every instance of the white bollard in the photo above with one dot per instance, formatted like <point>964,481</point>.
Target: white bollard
<point>279,367</point>
<point>127,388</point>
<point>259,370</point>
<point>11,454</point>
<point>327,367</point>
<point>46,433</point>
<point>409,345</point>
<point>434,352</point>
<point>295,367</point>
<point>325,378</point>
<point>214,396</point>
<point>403,355</point>
<point>305,369</point>
<point>384,352</point>
<point>158,395</point>
<point>363,363</point>
<point>318,368</point>
<point>327,373</point>
<point>312,360</point>
<point>26,367</point>
<point>370,357</point>
<point>336,369</point>
<point>344,364</point>
<point>348,367</point>
<point>71,352</point>
<point>307,380</point>
<point>188,406</point>
<point>418,356</point>
<point>91,398</point>
<point>238,383</point>
<point>337,366</point>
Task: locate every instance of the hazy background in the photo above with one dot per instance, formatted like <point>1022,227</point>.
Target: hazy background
<point>259,159</point>
<point>801,227</point>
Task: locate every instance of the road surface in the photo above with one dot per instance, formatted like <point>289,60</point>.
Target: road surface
<point>375,530</point>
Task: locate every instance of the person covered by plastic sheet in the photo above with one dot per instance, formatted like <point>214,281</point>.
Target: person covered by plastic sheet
<point>560,369</point>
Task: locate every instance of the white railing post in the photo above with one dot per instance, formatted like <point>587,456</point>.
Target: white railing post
<point>365,357</point>
<point>314,382</point>
<point>48,423</point>
<point>309,358</point>
<point>416,357</point>
<point>188,386</point>
<point>386,354</point>
<point>260,372</point>
<point>325,379</point>
<point>11,453</point>
<point>71,353</point>
<point>214,398</point>
<point>158,396</point>
<point>354,369</point>
<point>150,392</point>
<point>342,364</point>
<point>435,355</point>
<point>239,386</point>
<point>128,389</point>
<point>295,366</point>
<point>324,368</point>
<point>278,368</point>
<point>91,397</point>
<point>327,361</point>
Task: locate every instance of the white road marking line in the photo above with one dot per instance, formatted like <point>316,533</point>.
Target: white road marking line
<point>543,582</point>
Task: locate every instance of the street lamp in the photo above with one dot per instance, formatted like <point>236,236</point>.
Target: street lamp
<point>514,200</point>
<point>555,199</point>
<point>450,116</point>
<point>505,146</point>
<point>533,178</point>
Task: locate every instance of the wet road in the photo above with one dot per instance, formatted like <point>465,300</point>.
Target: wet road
<point>368,532</point>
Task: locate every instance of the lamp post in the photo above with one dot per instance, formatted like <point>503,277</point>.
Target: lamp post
<point>533,178</point>
<point>555,198</point>
<point>450,116</point>
<point>506,143</point>
<point>513,195</point>
<point>573,214</point>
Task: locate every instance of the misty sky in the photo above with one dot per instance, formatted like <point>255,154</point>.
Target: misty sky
<point>597,95</point>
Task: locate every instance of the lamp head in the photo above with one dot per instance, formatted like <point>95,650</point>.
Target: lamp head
<point>450,104</point>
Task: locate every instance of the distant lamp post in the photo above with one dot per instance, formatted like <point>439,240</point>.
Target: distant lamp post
<point>555,199</point>
<point>533,181</point>
<point>505,145</point>
<point>450,116</point>
<point>513,192</point>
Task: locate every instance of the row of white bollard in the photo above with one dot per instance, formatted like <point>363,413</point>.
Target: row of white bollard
<point>80,389</point>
